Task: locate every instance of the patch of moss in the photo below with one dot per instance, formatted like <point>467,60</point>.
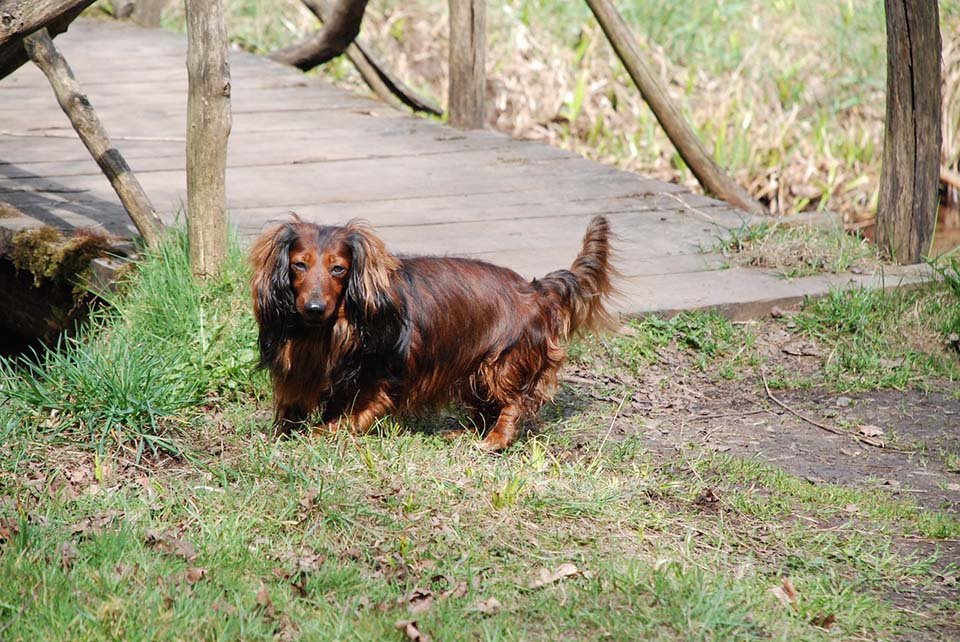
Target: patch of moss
<point>9,211</point>
<point>49,255</point>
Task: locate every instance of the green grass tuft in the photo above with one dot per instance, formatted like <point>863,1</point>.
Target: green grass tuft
<point>163,345</point>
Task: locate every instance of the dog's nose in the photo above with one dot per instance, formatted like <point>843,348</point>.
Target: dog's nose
<point>314,308</point>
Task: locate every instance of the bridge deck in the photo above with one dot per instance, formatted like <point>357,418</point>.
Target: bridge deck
<point>299,144</point>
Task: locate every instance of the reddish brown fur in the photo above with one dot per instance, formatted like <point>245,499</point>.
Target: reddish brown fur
<point>387,334</point>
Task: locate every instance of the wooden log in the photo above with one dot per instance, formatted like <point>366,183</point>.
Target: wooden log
<point>909,179</point>
<point>19,18</point>
<point>713,179</point>
<point>85,121</point>
<point>13,55</point>
<point>388,87</point>
<point>208,128</point>
<point>466,93</point>
<point>328,43</point>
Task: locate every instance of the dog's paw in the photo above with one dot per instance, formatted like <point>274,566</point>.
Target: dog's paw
<point>493,444</point>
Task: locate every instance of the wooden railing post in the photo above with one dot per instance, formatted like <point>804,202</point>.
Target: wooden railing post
<point>467,83</point>
<point>208,127</point>
<point>907,208</point>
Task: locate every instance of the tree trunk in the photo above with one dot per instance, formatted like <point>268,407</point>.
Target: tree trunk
<point>907,209</point>
<point>13,55</point>
<point>78,109</point>
<point>467,83</point>
<point>208,127</point>
<point>328,43</point>
<point>713,179</point>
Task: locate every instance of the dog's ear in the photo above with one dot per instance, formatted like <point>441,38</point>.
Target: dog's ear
<point>369,288</point>
<point>273,296</point>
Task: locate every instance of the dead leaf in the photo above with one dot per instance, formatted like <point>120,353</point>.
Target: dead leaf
<point>418,600</point>
<point>263,599</point>
<point>410,630</point>
<point>801,349</point>
<point>68,554</point>
<point>195,574</point>
<point>8,528</point>
<point>458,591</point>
<point>869,430</point>
<point>171,545</point>
<point>824,621</point>
<point>351,553</point>
<point>95,523</point>
<point>545,576</point>
<point>851,508</point>
<point>299,587</point>
<point>786,593</point>
<point>489,606</point>
<point>308,501</point>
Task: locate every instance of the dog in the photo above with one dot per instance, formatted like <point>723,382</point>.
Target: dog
<point>347,327</point>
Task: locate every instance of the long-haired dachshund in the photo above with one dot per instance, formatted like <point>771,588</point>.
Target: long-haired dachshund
<point>349,327</point>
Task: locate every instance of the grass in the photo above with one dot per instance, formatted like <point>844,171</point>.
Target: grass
<point>885,339</point>
<point>223,533</point>
<point>798,251</point>
<point>164,346</point>
<point>788,95</point>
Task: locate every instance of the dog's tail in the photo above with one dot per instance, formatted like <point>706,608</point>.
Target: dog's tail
<point>579,295</point>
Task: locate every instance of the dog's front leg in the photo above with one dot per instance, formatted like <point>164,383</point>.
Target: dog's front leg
<point>365,410</point>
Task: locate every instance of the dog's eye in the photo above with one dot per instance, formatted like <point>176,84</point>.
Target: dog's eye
<point>337,270</point>
<point>300,266</point>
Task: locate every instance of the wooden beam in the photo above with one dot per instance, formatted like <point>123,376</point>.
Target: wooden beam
<point>208,127</point>
<point>467,82</point>
<point>713,179</point>
<point>338,32</point>
<point>77,107</point>
<point>389,88</point>
<point>22,17</point>
<point>909,179</point>
<point>13,55</point>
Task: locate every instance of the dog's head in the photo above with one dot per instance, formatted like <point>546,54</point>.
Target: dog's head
<point>307,275</point>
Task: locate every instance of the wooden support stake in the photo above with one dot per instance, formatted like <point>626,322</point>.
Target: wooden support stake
<point>713,179</point>
<point>77,107</point>
<point>467,83</point>
<point>909,179</point>
<point>389,88</point>
<point>338,32</point>
<point>208,127</point>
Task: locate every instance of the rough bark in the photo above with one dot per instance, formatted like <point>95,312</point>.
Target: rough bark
<point>19,18</point>
<point>388,87</point>
<point>78,109</point>
<point>909,179</point>
<point>713,179</point>
<point>466,107</point>
<point>208,127</point>
<point>13,55</point>
<point>338,32</point>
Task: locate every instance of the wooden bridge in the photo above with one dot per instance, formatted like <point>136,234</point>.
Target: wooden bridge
<point>300,145</point>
